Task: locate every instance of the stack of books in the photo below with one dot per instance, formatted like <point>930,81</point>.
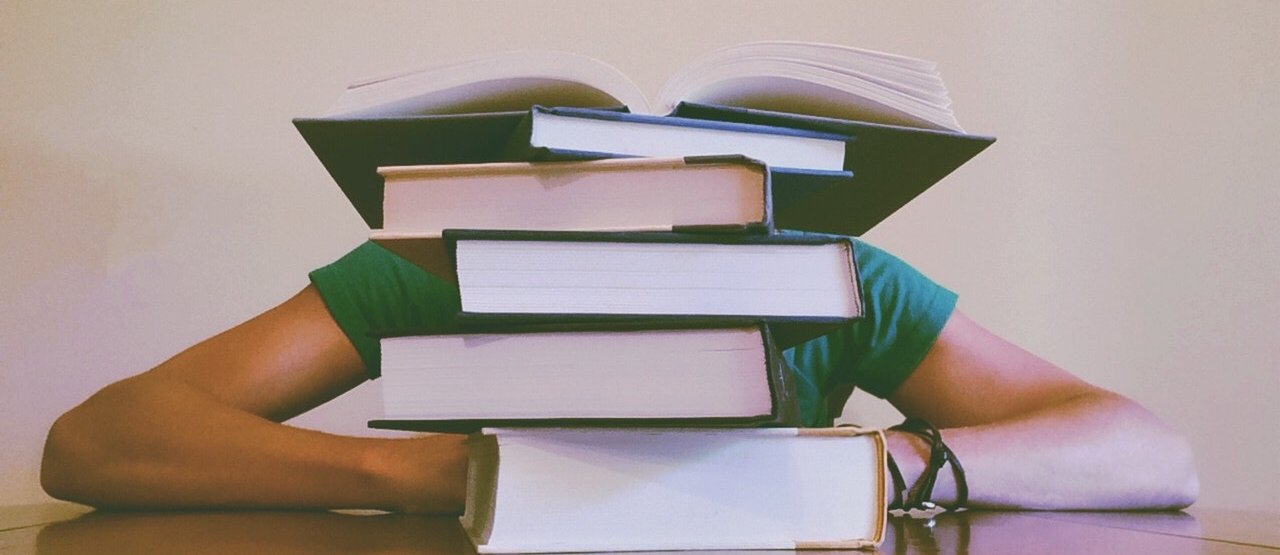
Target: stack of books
<point>625,292</point>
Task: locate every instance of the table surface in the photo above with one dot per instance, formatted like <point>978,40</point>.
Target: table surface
<point>58,528</point>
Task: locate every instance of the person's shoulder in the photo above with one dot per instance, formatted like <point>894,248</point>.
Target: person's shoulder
<point>370,290</point>
<point>904,312</point>
<point>370,256</point>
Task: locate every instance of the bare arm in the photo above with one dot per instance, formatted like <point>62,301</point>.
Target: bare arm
<point>1030,435</point>
<point>201,430</point>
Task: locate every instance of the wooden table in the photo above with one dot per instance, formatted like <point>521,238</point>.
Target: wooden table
<point>55,529</point>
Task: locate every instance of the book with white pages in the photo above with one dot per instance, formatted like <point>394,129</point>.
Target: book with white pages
<point>627,489</point>
<point>802,285</point>
<point>850,135</point>
<point>799,77</point>
<point>704,373</point>
<point>729,193</point>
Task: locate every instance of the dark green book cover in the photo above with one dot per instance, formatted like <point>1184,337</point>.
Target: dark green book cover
<point>890,165</point>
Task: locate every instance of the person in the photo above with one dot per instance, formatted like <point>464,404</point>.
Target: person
<point>203,429</point>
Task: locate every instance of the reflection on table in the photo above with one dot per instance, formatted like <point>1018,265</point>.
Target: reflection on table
<point>346,533</point>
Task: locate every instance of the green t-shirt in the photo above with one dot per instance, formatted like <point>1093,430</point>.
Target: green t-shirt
<point>372,289</point>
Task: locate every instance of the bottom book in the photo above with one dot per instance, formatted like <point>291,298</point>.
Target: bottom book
<point>548,490</point>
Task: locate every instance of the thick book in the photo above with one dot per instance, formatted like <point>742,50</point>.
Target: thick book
<point>803,285</point>
<point>800,77</point>
<point>578,490</point>
<point>568,133</point>
<point>711,373</point>
<point>469,113</point>
<point>721,193</point>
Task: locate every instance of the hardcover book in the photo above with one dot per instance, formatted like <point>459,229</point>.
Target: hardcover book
<point>709,194</point>
<point>575,490</point>
<point>711,373</point>
<point>799,77</point>
<point>885,116</point>
<point>558,133</point>
<point>892,166</point>
<point>803,285</point>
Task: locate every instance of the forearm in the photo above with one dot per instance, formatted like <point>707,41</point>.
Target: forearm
<point>164,444</point>
<point>1094,451</point>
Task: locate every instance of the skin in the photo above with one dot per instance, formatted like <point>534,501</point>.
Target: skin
<point>203,430</point>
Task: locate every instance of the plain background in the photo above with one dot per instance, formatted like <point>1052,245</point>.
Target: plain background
<point>153,191</point>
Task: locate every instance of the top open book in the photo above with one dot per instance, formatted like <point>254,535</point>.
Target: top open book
<point>796,77</point>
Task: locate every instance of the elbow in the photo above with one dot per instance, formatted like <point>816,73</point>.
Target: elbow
<point>1184,480</point>
<point>1159,463</point>
<point>1175,479</point>
<point>60,465</point>
<point>1168,469</point>
<point>80,448</point>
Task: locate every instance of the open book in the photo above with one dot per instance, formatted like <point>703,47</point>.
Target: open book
<point>882,120</point>
<point>795,77</point>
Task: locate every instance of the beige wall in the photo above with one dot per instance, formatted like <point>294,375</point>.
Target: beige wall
<point>153,191</point>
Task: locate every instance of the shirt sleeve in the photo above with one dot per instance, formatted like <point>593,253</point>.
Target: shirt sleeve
<point>370,289</point>
<point>904,313</point>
